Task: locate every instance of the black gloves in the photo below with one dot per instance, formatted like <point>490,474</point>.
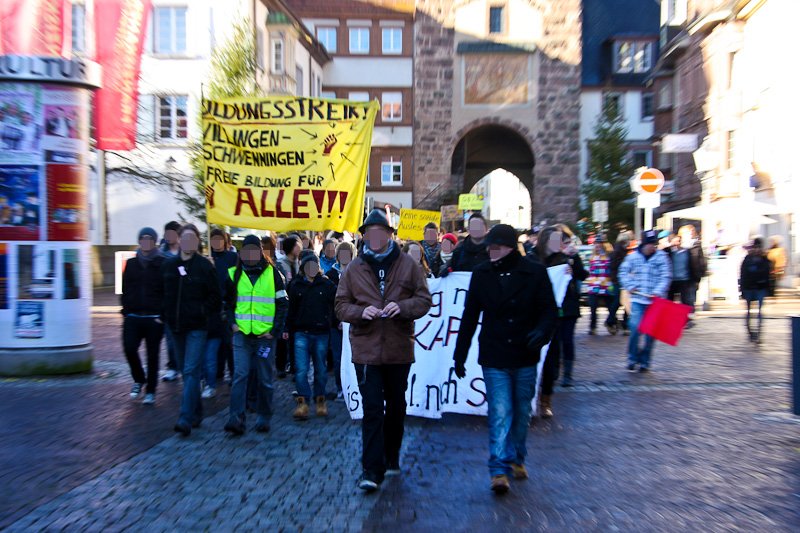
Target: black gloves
<point>537,341</point>
<point>461,369</point>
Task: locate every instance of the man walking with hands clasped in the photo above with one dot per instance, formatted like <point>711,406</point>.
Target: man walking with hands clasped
<point>519,316</point>
<point>380,294</point>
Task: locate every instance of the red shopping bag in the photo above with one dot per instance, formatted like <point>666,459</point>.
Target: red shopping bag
<point>664,320</point>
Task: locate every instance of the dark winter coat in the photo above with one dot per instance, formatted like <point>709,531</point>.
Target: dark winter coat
<point>519,314</point>
<point>190,298</point>
<point>698,264</point>
<point>571,306</point>
<point>383,341</point>
<point>468,255</point>
<point>755,272</point>
<point>142,287</point>
<point>311,305</point>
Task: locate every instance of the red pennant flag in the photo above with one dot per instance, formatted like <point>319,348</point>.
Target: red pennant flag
<point>36,28</point>
<point>120,29</point>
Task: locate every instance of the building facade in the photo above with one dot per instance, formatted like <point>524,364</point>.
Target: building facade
<point>722,82</point>
<point>371,46</point>
<point>620,48</point>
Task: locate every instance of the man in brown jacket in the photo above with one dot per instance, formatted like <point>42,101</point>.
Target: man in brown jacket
<point>380,294</point>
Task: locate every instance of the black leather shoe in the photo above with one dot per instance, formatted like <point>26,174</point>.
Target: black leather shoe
<point>183,428</point>
<point>234,426</point>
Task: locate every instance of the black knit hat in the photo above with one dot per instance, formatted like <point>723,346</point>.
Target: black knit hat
<point>308,258</point>
<point>150,232</point>
<point>376,218</point>
<point>503,235</point>
<point>251,240</point>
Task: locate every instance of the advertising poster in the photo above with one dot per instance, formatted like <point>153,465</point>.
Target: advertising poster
<point>71,274</point>
<point>3,275</point>
<point>65,127</point>
<point>67,203</point>
<point>36,272</point>
<point>20,203</point>
<point>29,320</point>
<point>20,123</point>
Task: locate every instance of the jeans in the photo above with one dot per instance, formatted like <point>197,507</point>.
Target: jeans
<point>225,355</point>
<point>310,347</point>
<point>210,361</point>
<point>687,290</point>
<point>336,348</point>
<point>509,393</point>
<point>190,347</point>
<point>383,393</point>
<point>613,306</point>
<point>636,355</point>
<point>594,302</point>
<point>248,352</point>
<point>134,329</point>
<point>561,347</point>
<point>172,359</point>
<point>750,296</point>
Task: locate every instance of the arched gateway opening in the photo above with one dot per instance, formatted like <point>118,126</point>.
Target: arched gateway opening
<point>488,153</point>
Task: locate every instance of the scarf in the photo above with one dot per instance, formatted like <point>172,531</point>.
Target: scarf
<point>381,263</point>
<point>430,251</point>
<point>445,256</point>
<point>145,260</point>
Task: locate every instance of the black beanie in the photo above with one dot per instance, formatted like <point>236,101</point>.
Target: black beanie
<point>251,240</point>
<point>502,234</point>
<point>149,232</point>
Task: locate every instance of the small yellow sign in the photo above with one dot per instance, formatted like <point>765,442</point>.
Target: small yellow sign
<point>450,213</point>
<point>470,202</point>
<point>413,221</point>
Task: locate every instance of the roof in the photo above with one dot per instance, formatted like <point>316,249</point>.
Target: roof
<point>607,20</point>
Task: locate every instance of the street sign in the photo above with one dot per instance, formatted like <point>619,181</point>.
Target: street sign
<point>470,202</point>
<point>650,180</point>
<point>678,143</point>
<point>600,211</point>
<point>648,200</point>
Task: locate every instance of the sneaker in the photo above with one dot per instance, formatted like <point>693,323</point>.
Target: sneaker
<point>367,484</point>
<point>208,392</point>
<point>149,399</point>
<point>183,428</point>
<point>340,396</point>
<point>170,375</point>
<point>643,370</point>
<point>136,390</point>
<point>612,329</point>
<point>393,468</point>
<point>234,426</point>
<point>500,484</point>
<point>632,367</point>
<point>519,471</point>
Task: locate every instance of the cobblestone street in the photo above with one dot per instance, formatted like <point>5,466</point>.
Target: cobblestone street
<point>700,443</point>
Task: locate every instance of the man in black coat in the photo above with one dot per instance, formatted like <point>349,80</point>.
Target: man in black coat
<point>472,251</point>
<point>519,316</point>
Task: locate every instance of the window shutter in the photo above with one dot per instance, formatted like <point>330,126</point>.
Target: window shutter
<point>146,119</point>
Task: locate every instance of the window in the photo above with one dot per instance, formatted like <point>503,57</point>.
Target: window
<point>78,28</point>
<point>276,54</point>
<point>665,97</point>
<point>299,81</point>
<point>647,106</point>
<point>496,19</point>
<point>392,172</point>
<point>642,158</point>
<point>260,49</point>
<point>170,30</point>
<point>359,40</point>
<point>613,101</point>
<point>172,123</point>
<point>633,57</point>
<point>327,37</point>
<point>392,40</point>
<point>328,94</point>
<point>730,142</point>
<point>358,96</point>
<point>392,107</point>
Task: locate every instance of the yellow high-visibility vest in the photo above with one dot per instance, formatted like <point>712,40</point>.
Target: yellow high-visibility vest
<point>255,305</point>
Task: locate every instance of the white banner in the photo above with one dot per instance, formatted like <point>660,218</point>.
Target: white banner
<point>433,387</point>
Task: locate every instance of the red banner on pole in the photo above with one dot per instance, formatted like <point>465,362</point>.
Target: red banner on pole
<point>36,28</point>
<point>120,30</point>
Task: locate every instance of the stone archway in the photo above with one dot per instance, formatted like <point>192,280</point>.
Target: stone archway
<point>486,145</point>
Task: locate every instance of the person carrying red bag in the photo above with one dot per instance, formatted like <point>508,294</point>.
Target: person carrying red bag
<point>646,273</point>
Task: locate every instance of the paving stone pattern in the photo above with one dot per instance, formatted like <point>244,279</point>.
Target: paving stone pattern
<point>687,447</point>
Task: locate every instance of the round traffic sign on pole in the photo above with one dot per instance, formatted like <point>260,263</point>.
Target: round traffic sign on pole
<point>651,180</point>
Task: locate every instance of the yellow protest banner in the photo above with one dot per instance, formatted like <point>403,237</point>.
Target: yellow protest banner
<point>470,202</point>
<point>412,223</point>
<point>286,163</point>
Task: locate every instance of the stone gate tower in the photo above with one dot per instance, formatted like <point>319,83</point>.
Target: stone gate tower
<point>497,85</point>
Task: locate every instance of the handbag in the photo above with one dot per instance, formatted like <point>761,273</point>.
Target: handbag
<point>664,320</point>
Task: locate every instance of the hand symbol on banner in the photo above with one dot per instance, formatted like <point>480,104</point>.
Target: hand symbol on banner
<point>209,190</point>
<point>330,142</point>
